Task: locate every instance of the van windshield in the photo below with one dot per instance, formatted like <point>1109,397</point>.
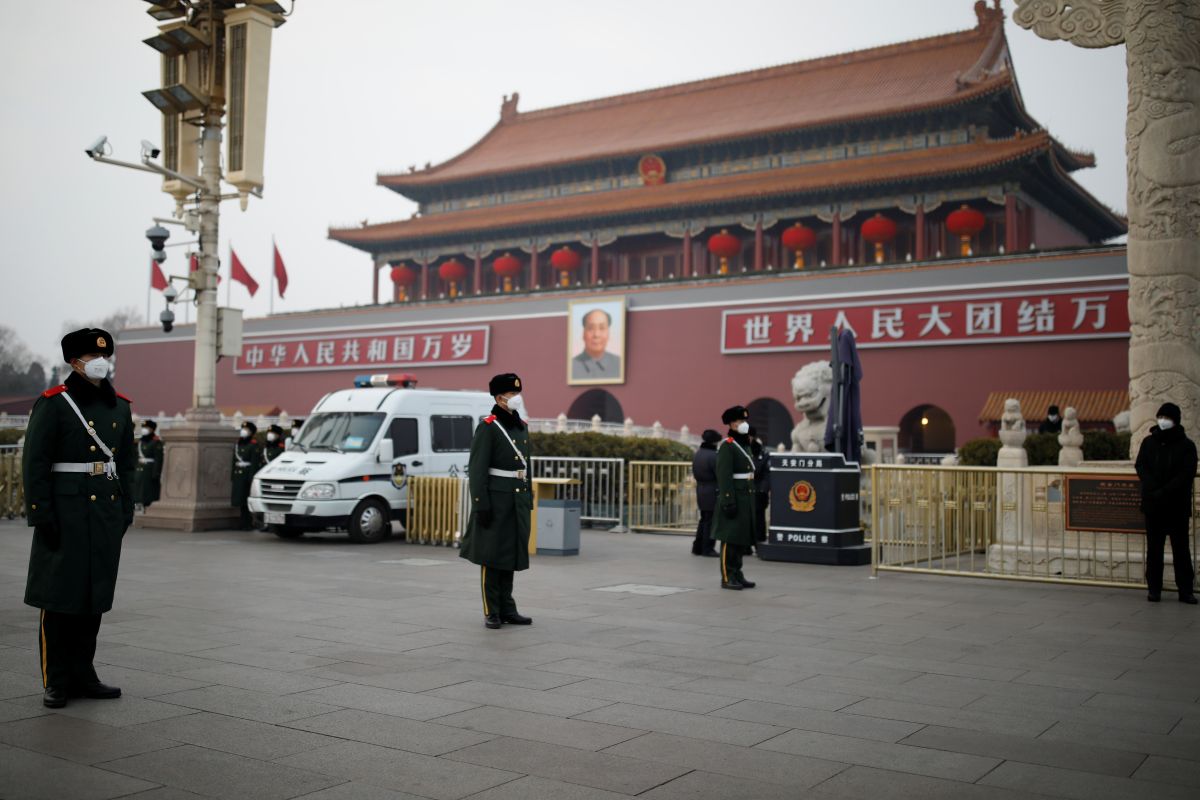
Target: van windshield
<point>342,432</point>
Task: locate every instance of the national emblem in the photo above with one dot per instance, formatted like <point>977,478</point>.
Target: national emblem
<point>802,497</point>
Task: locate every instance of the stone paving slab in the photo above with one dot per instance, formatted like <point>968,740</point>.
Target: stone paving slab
<point>257,667</point>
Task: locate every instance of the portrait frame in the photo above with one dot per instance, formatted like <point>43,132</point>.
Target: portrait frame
<point>610,368</point>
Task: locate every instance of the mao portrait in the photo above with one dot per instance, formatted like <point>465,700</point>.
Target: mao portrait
<point>596,341</point>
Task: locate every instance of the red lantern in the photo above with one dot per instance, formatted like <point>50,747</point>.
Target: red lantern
<point>565,260</point>
<point>508,267</point>
<point>402,277</point>
<point>879,230</point>
<point>799,238</point>
<point>452,272</point>
<point>965,223</point>
<point>724,245</point>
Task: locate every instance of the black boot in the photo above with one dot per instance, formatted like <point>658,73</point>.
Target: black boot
<point>54,697</point>
<point>492,621</point>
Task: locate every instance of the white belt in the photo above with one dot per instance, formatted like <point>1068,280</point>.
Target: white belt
<point>242,464</point>
<point>87,467</point>
<point>737,476</point>
<point>145,460</point>
<point>519,474</point>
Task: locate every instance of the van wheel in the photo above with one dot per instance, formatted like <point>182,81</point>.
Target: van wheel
<point>370,522</point>
<point>287,532</point>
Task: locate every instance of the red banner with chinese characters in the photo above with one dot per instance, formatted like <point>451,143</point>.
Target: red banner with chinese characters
<point>368,351</point>
<point>1054,314</point>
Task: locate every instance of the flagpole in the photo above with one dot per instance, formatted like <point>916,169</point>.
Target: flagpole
<point>271,310</point>
<point>229,288</point>
<point>148,288</point>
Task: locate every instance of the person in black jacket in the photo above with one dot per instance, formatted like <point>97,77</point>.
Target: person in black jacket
<point>1052,423</point>
<point>762,485</point>
<point>704,470</point>
<point>1166,465</point>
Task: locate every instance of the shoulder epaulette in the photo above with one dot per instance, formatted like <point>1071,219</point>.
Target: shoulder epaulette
<point>123,397</point>
<point>729,439</point>
<point>255,441</point>
<point>53,390</point>
<point>489,419</point>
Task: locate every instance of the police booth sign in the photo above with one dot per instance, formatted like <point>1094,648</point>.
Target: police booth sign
<point>814,510</point>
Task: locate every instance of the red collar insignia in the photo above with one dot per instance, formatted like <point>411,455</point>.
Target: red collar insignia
<point>53,390</point>
<point>489,419</point>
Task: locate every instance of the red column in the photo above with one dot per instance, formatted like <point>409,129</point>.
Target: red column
<point>1011,240</point>
<point>595,261</point>
<point>685,271</point>
<point>424,280</point>
<point>478,273</point>
<point>836,256</point>
<point>534,279</point>
<point>375,285</point>
<point>758,241</point>
<point>920,247</point>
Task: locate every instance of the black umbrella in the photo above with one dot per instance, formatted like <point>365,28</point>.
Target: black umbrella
<point>843,426</point>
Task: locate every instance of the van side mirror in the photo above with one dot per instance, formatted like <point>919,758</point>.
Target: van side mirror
<point>387,450</point>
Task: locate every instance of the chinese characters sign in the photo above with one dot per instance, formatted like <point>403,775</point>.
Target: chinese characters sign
<point>384,349</point>
<point>1055,314</point>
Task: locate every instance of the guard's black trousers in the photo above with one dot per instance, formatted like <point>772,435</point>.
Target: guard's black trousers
<point>731,562</point>
<point>497,586</point>
<point>1157,533</point>
<point>67,646</point>
<point>703,543</point>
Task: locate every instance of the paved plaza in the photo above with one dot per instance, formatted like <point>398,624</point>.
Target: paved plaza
<point>260,668</point>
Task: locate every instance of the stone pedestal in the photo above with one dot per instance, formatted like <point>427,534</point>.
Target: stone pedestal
<point>196,478</point>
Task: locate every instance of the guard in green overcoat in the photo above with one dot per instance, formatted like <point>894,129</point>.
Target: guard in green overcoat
<point>275,445</point>
<point>247,459</point>
<point>147,480</point>
<point>497,535</point>
<point>78,466</point>
<point>734,525</point>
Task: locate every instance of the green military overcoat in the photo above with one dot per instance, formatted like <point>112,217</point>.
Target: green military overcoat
<point>147,479</point>
<point>248,452</point>
<point>90,512</point>
<point>504,544</point>
<point>272,451</point>
<point>732,492</point>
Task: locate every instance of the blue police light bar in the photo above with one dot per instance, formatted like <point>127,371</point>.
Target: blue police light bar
<point>403,380</point>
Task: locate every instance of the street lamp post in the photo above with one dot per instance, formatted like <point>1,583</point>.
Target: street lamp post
<point>213,52</point>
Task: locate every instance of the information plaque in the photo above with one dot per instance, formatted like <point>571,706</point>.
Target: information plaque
<point>1104,503</point>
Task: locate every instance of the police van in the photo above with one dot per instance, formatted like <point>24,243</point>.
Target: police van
<point>348,467</point>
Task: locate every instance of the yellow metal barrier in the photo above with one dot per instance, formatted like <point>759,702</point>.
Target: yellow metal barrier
<point>997,523</point>
<point>12,487</point>
<point>662,497</point>
<point>438,509</point>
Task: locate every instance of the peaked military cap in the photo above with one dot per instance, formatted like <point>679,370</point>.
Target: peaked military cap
<point>250,426</point>
<point>504,383</point>
<point>735,414</point>
<point>151,424</point>
<point>86,340</point>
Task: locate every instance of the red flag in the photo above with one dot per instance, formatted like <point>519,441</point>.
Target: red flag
<point>280,271</point>
<point>157,279</point>
<point>240,274</point>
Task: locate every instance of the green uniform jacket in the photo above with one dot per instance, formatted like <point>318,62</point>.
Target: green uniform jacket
<point>272,451</point>
<point>147,480</point>
<point>504,544</point>
<point>248,452</point>
<point>737,492</point>
<point>90,512</point>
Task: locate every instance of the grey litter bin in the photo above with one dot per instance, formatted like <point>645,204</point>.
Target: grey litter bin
<point>558,528</point>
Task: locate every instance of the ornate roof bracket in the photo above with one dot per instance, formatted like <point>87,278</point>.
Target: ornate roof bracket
<point>994,58</point>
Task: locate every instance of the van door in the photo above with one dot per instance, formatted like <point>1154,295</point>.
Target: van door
<point>450,436</point>
<point>406,452</point>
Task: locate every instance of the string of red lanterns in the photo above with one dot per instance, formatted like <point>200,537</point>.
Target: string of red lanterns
<point>878,230</point>
<point>507,267</point>
<point>965,223</point>
<point>402,277</point>
<point>724,245</point>
<point>566,261</point>
<point>452,272</point>
<point>799,238</point>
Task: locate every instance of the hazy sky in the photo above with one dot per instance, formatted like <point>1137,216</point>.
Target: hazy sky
<point>363,86</point>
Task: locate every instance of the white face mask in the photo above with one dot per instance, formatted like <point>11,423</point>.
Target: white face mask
<point>245,434</point>
<point>1166,424</point>
<point>98,368</point>
<point>743,428</point>
<point>145,431</point>
<point>1054,417</point>
<point>272,437</point>
<point>516,405</point>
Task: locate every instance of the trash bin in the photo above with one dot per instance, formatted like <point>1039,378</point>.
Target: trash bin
<point>558,528</point>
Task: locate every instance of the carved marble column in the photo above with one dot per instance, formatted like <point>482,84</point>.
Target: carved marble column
<point>1162,145</point>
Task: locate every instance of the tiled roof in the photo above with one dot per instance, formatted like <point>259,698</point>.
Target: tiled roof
<point>1091,405</point>
<point>841,174</point>
<point>877,82</point>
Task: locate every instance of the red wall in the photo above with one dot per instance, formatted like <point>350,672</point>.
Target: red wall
<point>675,373</point>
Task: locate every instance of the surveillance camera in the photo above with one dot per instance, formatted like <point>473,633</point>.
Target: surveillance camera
<point>97,148</point>
<point>170,293</point>
<point>167,318</point>
<point>149,150</point>
<point>158,236</point>
<point>159,256</point>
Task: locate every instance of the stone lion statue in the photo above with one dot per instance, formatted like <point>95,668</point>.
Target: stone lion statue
<point>811,387</point>
<point>1012,424</point>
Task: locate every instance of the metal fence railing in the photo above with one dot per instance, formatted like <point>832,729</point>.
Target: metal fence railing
<point>12,487</point>
<point>438,509</point>
<point>999,523</point>
<point>601,487</point>
<point>662,497</point>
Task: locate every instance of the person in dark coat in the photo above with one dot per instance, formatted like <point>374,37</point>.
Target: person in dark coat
<point>734,526</point>
<point>297,424</point>
<point>247,458</point>
<point>497,534</point>
<point>147,479</point>
<point>1052,423</point>
<point>762,485</point>
<point>78,467</point>
<point>1166,465</point>
<point>275,445</point>
<point>704,470</point>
